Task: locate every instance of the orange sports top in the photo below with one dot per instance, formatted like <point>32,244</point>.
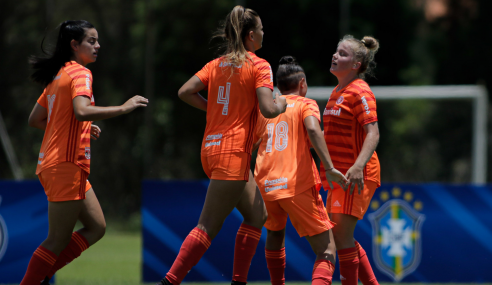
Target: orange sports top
<point>346,112</point>
<point>65,138</point>
<point>232,108</point>
<point>284,165</point>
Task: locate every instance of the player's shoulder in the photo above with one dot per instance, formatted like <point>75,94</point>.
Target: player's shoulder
<point>357,89</point>
<point>75,70</point>
<point>258,61</point>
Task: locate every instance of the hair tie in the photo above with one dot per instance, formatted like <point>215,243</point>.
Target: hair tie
<point>363,41</point>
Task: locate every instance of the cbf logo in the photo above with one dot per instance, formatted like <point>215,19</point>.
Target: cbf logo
<point>3,235</point>
<point>396,228</point>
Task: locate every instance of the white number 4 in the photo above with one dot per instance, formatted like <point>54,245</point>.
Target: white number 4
<point>281,136</point>
<point>224,99</point>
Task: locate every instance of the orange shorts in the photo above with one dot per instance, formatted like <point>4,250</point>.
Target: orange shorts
<point>227,166</point>
<point>64,182</point>
<point>339,201</point>
<point>306,211</point>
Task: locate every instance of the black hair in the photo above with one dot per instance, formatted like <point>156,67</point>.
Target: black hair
<point>289,73</point>
<point>46,67</point>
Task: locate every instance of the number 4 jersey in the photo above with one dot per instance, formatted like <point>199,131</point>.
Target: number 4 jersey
<point>284,165</point>
<point>232,108</point>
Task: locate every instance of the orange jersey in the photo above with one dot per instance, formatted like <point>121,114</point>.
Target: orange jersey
<point>346,112</point>
<point>284,165</point>
<point>232,108</point>
<point>65,138</point>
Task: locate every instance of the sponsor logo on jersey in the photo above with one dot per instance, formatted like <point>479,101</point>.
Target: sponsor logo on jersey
<point>336,204</point>
<point>291,105</point>
<point>57,77</point>
<point>41,156</point>
<point>4,237</point>
<point>268,189</point>
<point>213,137</point>
<point>340,100</point>
<point>224,64</point>
<point>366,107</point>
<point>88,153</point>
<point>212,143</point>
<point>332,112</point>
<point>275,181</point>
<point>396,234</point>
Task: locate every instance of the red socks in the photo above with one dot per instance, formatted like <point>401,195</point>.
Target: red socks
<point>349,265</point>
<point>192,250</point>
<point>41,262</point>
<point>323,272</point>
<point>366,275</point>
<point>276,265</point>
<point>77,245</point>
<point>246,241</point>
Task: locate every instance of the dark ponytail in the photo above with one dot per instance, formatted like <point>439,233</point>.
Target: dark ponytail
<point>289,73</point>
<point>46,67</point>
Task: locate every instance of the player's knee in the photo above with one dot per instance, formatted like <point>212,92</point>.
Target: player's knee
<point>101,231</point>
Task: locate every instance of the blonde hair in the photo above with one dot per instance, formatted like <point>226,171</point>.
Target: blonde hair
<point>236,26</point>
<point>364,51</point>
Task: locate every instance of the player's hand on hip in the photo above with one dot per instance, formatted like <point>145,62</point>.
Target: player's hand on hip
<point>333,175</point>
<point>95,132</point>
<point>281,102</point>
<point>355,176</point>
<point>135,102</point>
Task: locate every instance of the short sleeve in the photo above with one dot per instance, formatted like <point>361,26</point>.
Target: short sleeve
<point>264,75</point>
<point>310,108</point>
<point>365,108</point>
<point>82,84</point>
<point>204,74</point>
<point>42,99</point>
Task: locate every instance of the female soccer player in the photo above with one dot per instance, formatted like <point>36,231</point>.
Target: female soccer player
<point>65,112</point>
<point>237,82</point>
<point>352,134</point>
<point>288,178</point>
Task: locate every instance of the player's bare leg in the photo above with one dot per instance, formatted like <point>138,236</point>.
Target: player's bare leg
<point>348,257</point>
<point>92,218</point>
<point>251,205</point>
<point>323,245</point>
<point>275,240</point>
<point>222,197</point>
<point>62,217</point>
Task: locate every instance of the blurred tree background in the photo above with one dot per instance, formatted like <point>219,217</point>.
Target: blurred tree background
<point>152,47</point>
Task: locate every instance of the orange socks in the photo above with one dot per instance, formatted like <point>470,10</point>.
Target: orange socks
<point>77,245</point>
<point>246,241</point>
<point>192,250</point>
<point>349,265</point>
<point>41,262</point>
<point>276,265</point>
<point>323,272</point>
<point>366,275</point>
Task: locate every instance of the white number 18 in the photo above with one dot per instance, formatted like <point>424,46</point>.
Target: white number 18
<point>281,136</point>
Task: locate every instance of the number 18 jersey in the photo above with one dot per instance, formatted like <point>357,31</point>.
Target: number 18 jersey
<point>232,108</point>
<point>284,165</point>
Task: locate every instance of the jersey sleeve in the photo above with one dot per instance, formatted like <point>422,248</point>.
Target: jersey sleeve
<point>365,108</point>
<point>82,84</point>
<point>204,74</point>
<point>310,108</point>
<point>264,75</point>
<point>42,99</point>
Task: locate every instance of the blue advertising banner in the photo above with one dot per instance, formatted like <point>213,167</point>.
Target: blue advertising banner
<point>411,233</point>
<point>23,226</point>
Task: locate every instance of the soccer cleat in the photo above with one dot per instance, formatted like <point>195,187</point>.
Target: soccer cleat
<point>46,281</point>
<point>238,283</point>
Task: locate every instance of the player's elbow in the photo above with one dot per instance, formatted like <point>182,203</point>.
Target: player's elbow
<point>182,92</point>
<point>80,115</point>
<point>268,113</point>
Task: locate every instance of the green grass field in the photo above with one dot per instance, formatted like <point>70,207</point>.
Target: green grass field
<point>117,260</point>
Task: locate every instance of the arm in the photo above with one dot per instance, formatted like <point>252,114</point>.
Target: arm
<point>355,174</point>
<point>38,118</point>
<point>189,93</point>
<point>270,108</point>
<point>316,137</point>
<point>84,111</point>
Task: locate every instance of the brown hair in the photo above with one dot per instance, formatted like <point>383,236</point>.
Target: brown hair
<point>289,73</point>
<point>364,51</point>
<point>236,26</point>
